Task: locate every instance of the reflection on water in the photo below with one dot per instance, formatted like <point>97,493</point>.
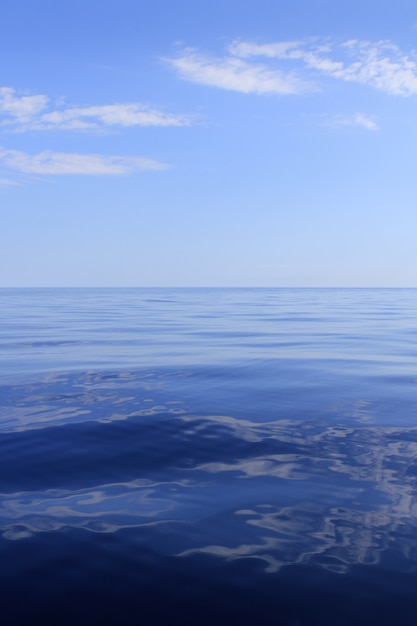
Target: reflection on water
<point>357,500</point>
<point>282,492</point>
<point>231,451</point>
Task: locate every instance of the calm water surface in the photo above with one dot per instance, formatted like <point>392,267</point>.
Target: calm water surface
<point>208,456</point>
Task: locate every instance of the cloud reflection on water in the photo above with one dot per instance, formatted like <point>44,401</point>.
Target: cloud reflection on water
<point>282,492</point>
<point>357,499</point>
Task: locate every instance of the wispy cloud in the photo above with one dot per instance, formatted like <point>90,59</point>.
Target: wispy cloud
<point>7,182</point>
<point>235,74</point>
<point>130,114</point>
<point>381,64</point>
<point>291,67</point>
<point>37,112</point>
<point>20,108</point>
<point>358,119</point>
<point>59,163</point>
<point>367,122</point>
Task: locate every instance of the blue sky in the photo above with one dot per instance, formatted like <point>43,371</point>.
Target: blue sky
<point>196,143</point>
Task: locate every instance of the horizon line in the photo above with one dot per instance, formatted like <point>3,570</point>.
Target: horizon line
<point>202,287</point>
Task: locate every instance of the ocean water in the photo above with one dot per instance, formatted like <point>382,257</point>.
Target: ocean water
<point>208,456</point>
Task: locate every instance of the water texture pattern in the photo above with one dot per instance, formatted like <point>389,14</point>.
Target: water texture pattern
<point>201,456</point>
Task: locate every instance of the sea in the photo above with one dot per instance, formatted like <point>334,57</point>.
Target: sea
<point>208,457</point>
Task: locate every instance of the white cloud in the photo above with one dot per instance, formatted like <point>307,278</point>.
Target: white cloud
<point>36,113</point>
<point>73,163</point>
<point>7,182</point>
<point>130,114</point>
<point>235,74</point>
<point>365,121</point>
<point>21,108</point>
<point>359,119</point>
<point>381,64</point>
<point>278,50</point>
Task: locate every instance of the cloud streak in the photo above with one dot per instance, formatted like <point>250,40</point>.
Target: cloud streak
<point>358,119</point>
<point>36,112</point>
<point>110,115</point>
<point>20,108</point>
<point>7,182</point>
<point>64,163</point>
<point>381,64</point>
<point>293,67</point>
<point>234,74</point>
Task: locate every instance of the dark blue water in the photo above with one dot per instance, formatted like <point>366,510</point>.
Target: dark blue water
<point>208,456</point>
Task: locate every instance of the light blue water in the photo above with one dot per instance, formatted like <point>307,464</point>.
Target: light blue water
<point>208,456</point>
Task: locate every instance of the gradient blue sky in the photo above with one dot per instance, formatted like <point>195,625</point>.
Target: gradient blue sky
<point>208,143</point>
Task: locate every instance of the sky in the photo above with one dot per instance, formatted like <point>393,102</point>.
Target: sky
<point>232,143</point>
